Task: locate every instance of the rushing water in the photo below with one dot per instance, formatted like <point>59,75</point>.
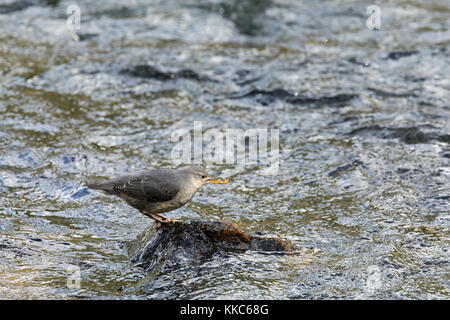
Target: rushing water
<point>363,118</point>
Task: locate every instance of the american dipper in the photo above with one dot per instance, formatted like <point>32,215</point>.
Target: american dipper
<point>156,191</point>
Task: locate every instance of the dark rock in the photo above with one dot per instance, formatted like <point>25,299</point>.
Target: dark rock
<point>442,197</point>
<point>23,4</point>
<point>358,62</point>
<point>327,100</point>
<point>266,97</point>
<point>444,138</point>
<point>178,244</point>
<point>86,36</point>
<point>146,71</point>
<point>409,135</point>
<point>121,12</point>
<point>395,55</point>
<point>409,171</point>
<point>188,74</point>
<point>151,72</point>
<point>347,167</point>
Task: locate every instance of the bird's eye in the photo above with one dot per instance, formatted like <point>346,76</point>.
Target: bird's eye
<point>203,177</point>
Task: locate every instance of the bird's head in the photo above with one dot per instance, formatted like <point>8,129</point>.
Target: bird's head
<point>200,176</point>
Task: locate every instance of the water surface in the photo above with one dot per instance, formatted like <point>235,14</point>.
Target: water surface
<point>363,183</point>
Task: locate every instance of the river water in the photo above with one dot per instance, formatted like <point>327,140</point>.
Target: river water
<point>362,114</point>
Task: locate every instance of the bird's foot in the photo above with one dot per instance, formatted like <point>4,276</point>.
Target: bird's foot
<point>166,220</point>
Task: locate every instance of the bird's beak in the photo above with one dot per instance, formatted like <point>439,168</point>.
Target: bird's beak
<point>211,180</point>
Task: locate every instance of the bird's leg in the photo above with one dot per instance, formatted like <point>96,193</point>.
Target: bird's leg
<point>160,218</point>
<point>155,216</point>
<point>166,220</point>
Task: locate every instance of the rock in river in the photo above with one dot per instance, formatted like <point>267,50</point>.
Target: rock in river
<point>181,244</point>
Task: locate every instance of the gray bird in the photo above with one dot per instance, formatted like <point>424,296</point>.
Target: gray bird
<point>157,191</point>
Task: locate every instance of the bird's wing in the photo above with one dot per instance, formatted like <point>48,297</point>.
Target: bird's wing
<point>147,186</point>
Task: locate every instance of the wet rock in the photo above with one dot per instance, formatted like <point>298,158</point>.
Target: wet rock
<point>442,197</point>
<point>347,167</point>
<point>409,135</point>
<point>121,12</point>
<point>86,36</point>
<point>266,97</point>
<point>358,62</point>
<point>395,55</point>
<point>444,138</point>
<point>181,244</point>
<point>407,170</point>
<point>151,72</point>
<point>23,4</point>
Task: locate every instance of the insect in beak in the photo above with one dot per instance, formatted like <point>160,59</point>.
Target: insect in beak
<point>217,181</point>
